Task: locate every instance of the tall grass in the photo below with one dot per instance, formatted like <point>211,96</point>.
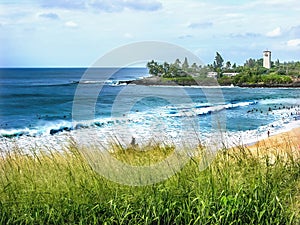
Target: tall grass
<point>239,187</point>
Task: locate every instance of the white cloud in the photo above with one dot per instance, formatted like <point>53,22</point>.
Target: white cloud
<point>244,35</point>
<point>65,4</point>
<point>52,16</point>
<point>144,5</point>
<point>71,24</point>
<point>202,25</point>
<point>227,26</point>
<point>278,2</point>
<point>274,4</point>
<point>104,5</point>
<point>275,33</point>
<point>293,43</point>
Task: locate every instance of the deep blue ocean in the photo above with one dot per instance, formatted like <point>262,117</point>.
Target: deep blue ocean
<point>38,102</point>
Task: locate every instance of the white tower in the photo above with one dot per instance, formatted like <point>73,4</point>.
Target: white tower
<point>267,59</point>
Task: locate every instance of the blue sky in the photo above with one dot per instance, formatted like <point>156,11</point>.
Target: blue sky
<point>75,33</point>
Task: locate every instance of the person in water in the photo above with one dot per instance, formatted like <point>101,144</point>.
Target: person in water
<point>133,143</point>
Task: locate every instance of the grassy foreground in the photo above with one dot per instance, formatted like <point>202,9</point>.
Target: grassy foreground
<point>239,187</point>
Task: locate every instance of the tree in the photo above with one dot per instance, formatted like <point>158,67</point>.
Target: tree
<point>185,64</point>
<point>234,66</point>
<point>215,65</point>
<point>259,62</point>
<point>153,68</point>
<point>228,65</point>
<point>218,63</point>
<point>160,70</point>
<point>195,67</point>
<point>166,68</point>
<point>177,63</point>
<point>250,63</point>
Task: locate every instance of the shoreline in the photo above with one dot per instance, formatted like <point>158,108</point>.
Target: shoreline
<point>277,139</point>
<point>104,128</point>
<point>283,142</point>
<point>157,81</point>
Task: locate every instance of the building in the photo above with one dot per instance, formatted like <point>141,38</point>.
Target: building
<point>230,74</point>
<point>212,75</point>
<point>267,59</point>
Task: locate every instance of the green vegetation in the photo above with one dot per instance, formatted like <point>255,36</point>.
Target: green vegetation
<point>254,73</point>
<point>248,79</point>
<point>239,187</point>
<point>251,73</point>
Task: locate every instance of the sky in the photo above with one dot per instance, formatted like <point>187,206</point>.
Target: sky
<point>75,33</point>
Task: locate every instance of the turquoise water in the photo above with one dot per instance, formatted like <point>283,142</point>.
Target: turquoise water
<point>40,102</point>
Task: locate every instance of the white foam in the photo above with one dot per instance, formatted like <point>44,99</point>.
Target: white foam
<point>154,125</point>
<point>280,101</point>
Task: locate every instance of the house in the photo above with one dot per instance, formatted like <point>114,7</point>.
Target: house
<point>212,75</point>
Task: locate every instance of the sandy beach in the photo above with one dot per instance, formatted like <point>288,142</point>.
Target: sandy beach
<point>284,143</point>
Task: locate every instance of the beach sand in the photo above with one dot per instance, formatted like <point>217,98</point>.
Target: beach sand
<point>285,143</point>
<point>284,147</point>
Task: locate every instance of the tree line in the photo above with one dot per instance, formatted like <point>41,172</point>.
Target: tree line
<point>252,72</point>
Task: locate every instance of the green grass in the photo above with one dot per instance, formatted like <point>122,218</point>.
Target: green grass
<point>61,188</point>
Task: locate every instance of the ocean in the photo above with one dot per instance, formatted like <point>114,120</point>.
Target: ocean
<point>46,106</point>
